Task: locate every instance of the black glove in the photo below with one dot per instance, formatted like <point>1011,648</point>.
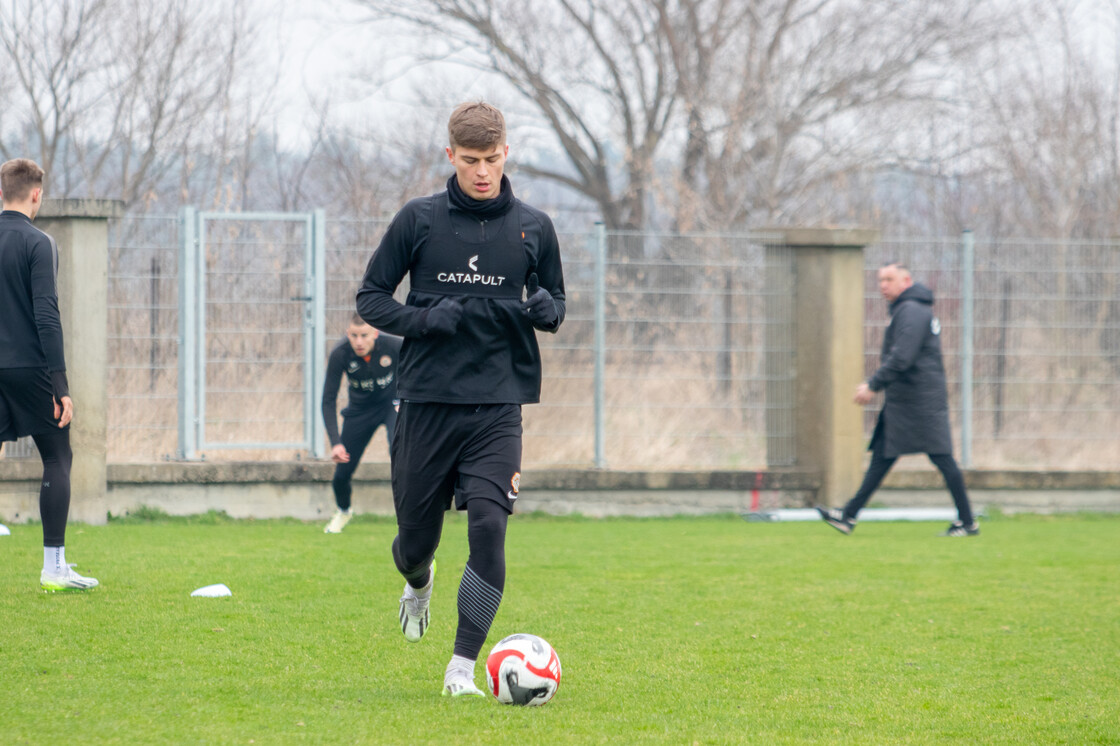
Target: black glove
<point>539,305</point>
<point>442,319</point>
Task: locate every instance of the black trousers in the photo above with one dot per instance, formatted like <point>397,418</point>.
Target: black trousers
<point>357,431</point>
<point>881,464</point>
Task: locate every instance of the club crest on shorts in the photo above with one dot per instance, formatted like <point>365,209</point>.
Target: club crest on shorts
<point>515,485</point>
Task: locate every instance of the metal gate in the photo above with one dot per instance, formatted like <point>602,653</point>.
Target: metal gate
<point>251,324</point>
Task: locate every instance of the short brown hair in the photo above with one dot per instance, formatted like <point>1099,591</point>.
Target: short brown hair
<point>476,125</point>
<point>18,177</point>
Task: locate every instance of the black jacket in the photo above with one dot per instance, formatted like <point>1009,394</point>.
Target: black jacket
<point>915,415</point>
<point>371,383</point>
<point>30,325</point>
<point>493,358</point>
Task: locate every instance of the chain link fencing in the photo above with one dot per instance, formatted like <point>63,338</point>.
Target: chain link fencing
<point>1031,341</point>
<point>665,360</point>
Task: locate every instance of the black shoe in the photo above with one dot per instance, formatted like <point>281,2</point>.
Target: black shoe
<point>956,528</point>
<point>835,517</point>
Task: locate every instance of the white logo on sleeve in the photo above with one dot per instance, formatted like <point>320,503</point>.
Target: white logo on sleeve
<point>935,326</point>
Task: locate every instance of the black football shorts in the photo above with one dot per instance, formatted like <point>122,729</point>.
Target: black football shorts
<point>26,403</point>
<point>444,454</point>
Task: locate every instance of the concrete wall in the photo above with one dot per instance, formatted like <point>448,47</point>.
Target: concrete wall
<point>824,276</point>
<point>302,490</point>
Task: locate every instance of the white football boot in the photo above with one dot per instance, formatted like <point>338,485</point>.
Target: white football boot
<point>339,521</point>
<point>414,608</point>
<point>458,682</point>
<point>65,580</point>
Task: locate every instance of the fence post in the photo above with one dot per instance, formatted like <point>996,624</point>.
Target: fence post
<point>188,334</point>
<point>80,227</point>
<point>968,286</point>
<point>600,341</point>
<point>828,284</point>
<point>318,329</point>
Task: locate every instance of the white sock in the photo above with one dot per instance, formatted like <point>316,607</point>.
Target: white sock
<point>459,664</point>
<point>426,592</point>
<point>54,559</point>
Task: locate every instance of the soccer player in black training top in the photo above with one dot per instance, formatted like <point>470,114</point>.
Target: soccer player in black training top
<point>469,361</point>
<point>369,362</point>
<point>34,395</point>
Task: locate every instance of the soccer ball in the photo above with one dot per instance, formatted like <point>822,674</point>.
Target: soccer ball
<point>523,670</point>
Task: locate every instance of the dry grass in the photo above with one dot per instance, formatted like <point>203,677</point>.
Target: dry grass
<point>1049,401</point>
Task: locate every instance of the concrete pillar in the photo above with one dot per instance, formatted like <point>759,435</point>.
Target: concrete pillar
<point>80,227</point>
<point>826,273</point>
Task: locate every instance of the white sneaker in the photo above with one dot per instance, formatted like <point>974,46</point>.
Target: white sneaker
<point>458,684</point>
<point>339,521</point>
<point>414,608</point>
<point>67,580</point>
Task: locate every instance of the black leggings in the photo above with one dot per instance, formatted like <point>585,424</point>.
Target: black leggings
<point>879,467</point>
<point>484,577</point>
<point>54,493</point>
<point>356,435</point>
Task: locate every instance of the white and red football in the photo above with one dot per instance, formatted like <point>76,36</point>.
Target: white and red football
<point>523,670</point>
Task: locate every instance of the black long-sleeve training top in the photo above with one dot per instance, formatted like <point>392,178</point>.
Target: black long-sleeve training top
<point>493,358</point>
<point>30,324</point>
<point>372,381</point>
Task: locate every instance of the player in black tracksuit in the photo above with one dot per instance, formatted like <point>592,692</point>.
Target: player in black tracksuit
<point>34,393</point>
<point>368,360</point>
<point>469,361</point>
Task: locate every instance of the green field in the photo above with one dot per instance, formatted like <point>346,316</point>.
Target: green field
<point>676,631</point>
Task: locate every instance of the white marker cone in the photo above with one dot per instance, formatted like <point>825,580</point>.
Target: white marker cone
<point>213,591</point>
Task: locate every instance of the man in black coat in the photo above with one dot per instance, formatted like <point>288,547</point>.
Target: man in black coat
<point>915,414</point>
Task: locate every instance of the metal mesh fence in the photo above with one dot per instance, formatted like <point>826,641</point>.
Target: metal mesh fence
<point>684,376</point>
<point>1045,330</point>
<point>253,324</point>
<point>695,369</point>
<point>350,244</point>
<point>143,375</point>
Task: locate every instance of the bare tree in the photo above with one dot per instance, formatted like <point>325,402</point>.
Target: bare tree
<point>805,96</point>
<point>52,55</point>
<point>598,74</point>
<point>1049,106</point>
<point>734,111</point>
<point>113,96</point>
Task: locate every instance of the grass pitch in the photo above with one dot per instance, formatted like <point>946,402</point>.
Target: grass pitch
<point>677,631</point>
